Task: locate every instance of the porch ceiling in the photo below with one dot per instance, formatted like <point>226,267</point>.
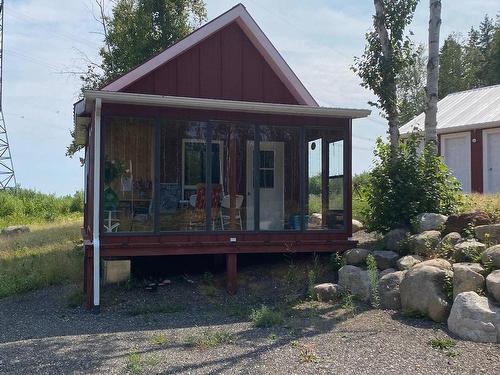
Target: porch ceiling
<point>215,105</point>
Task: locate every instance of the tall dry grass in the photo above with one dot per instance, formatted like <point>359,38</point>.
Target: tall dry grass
<point>50,254</point>
<point>489,203</point>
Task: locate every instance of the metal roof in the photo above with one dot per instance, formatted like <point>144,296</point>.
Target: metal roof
<point>464,110</point>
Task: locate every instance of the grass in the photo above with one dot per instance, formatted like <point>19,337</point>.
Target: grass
<point>157,308</point>
<point>159,339</point>
<point>210,339</point>
<point>50,254</point>
<point>74,298</point>
<point>266,317</point>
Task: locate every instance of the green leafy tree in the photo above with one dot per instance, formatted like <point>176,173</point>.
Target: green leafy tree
<point>411,86</point>
<point>387,52</point>
<point>135,31</point>
<point>451,68</point>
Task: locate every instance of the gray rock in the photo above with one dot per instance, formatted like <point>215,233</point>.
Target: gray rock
<point>356,257</point>
<point>488,233</point>
<point>422,291</point>
<point>386,272</point>
<point>385,259</point>
<point>429,221</point>
<point>328,292</point>
<point>424,243</point>
<point>393,238</point>
<point>408,261</point>
<point>467,277</point>
<point>442,264</point>
<point>389,290</point>
<point>475,318</point>
<point>356,226</point>
<point>447,244</point>
<point>493,285</point>
<point>492,254</point>
<point>356,281</point>
<point>15,229</point>
<point>467,251</point>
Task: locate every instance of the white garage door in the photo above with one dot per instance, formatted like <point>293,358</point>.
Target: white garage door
<point>455,149</point>
<point>491,154</point>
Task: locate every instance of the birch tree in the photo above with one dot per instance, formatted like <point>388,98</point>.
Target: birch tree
<point>387,52</point>
<point>432,74</point>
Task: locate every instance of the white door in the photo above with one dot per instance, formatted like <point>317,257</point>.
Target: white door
<point>271,169</point>
<point>455,149</point>
<point>491,160</point>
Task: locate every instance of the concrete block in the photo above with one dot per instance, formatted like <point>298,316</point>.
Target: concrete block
<point>115,271</point>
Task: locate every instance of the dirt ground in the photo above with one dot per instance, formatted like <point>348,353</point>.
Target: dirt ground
<point>191,326</point>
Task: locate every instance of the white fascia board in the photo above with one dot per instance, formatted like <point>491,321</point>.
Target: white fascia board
<point>461,128</point>
<point>221,105</point>
<point>252,31</point>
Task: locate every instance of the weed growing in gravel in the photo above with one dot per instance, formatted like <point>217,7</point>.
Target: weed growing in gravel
<point>134,364</point>
<point>74,298</point>
<point>337,261</point>
<point>307,354</point>
<point>272,337</point>
<point>371,264</point>
<point>348,304</point>
<point>159,339</point>
<point>210,339</point>
<point>442,343</point>
<point>452,354</point>
<point>157,308</point>
<point>238,311</point>
<point>311,281</point>
<point>266,317</point>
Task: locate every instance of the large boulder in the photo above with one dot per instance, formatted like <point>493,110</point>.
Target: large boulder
<point>442,264</point>
<point>429,221</point>
<point>356,226</point>
<point>422,291</point>
<point>457,223</point>
<point>488,233</point>
<point>389,290</point>
<point>356,281</point>
<point>385,259</point>
<point>491,255</point>
<point>393,238</point>
<point>424,243</point>
<point>408,261</point>
<point>468,251</point>
<point>493,285</point>
<point>475,318</point>
<point>328,292</point>
<point>15,229</point>
<point>386,272</point>
<point>356,257</point>
<point>467,277</point>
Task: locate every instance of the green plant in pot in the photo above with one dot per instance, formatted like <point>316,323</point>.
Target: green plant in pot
<point>113,169</point>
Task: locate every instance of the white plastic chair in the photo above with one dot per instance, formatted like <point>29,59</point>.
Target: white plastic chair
<point>226,205</point>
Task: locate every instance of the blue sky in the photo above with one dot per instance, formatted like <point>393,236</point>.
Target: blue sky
<point>318,38</point>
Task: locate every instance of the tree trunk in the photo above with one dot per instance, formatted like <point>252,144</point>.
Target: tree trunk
<point>432,74</point>
<point>392,111</point>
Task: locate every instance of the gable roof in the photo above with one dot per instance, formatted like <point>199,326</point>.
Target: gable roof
<point>464,110</point>
<point>237,14</point>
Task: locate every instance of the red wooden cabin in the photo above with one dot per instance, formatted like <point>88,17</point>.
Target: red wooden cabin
<point>213,146</point>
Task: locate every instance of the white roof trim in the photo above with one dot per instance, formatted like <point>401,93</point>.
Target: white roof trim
<point>252,31</point>
<point>219,105</point>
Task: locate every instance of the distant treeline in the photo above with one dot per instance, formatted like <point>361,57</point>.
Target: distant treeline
<point>25,206</point>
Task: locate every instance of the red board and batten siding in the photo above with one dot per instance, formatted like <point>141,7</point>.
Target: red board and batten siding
<point>223,66</point>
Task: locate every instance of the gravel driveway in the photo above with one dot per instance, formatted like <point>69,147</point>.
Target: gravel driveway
<point>153,333</point>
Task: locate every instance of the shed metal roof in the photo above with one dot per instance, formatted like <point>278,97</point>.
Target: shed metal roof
<point>464,110</point>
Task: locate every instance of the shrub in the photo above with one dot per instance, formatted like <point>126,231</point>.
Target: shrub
<point>411,182</point>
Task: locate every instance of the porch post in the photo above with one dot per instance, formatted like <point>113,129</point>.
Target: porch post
<point>232,178</point>
<point>231,273</point>
<point>96,209</point>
